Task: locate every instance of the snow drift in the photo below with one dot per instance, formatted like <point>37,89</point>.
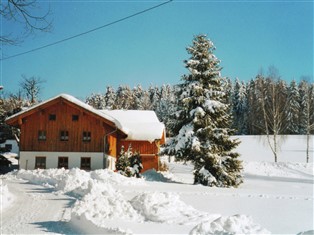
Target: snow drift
<point>236,224</point>
<point>6,198</point>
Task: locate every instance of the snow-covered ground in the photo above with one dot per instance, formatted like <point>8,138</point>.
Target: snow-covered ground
<point>274,198</point>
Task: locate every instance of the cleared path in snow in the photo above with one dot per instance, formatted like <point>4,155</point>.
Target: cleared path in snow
<point>35,210</point>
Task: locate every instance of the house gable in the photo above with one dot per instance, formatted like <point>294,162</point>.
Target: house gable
<point>61,126</point>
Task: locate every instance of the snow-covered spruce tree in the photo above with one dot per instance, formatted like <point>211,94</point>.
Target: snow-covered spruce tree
<point>110,97</point>
<point>239,108</point>
<point>204,120</point>
<point>293,108</point>
<point>129,164</point>
<point>123,162</point>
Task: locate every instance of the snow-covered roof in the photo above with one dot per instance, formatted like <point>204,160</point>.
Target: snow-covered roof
<point>138,124</point>
<point>68,98</point>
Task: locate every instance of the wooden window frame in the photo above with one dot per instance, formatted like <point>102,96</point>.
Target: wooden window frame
<point>39,164</point>
<point>64,135</point>
<point>42,135</point>
<point>85,165</point>
<point>62,163</point>
<point>87,136</point>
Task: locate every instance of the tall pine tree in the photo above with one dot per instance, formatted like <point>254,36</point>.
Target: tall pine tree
<point>204,120</point>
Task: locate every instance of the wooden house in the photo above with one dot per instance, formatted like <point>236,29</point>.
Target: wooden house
<point>66,132</point>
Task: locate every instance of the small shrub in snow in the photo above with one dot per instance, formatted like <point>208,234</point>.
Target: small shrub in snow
<point>129,164</point>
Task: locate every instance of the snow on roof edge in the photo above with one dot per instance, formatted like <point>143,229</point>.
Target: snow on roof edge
<point>154,130</point>
<point>69,98</point>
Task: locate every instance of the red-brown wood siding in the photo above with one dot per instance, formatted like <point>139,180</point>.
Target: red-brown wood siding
<point>63,110</point>
<point>148,151</point>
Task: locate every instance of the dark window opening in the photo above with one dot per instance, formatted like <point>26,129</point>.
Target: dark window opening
<point>87,136</point>
<point>63,162</point>
<point>40,162</point>
<point>52,117</point>
<point>85,163</point>
<point>64,135</point>
<point>75,118</point>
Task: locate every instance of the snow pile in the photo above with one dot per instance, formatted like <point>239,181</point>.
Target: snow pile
<point>236,224</point>
<point>75,182</point>
<point>167,208</point>
<point>104,202</point>
<point>110,177</point>
<point>6,198</point>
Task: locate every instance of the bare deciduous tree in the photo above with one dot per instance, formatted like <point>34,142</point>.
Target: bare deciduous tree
<point>308,112</point>
<point>273,104</point>
<point>26,13</point>
<point>32,88</point>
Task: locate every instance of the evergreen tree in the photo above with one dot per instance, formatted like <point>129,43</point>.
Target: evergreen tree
<point>204,120</point>
<point>239,112</point>
<point>254,116</point>
<point>293,108</point>
<point>96,100</point>
<point>129,164</point>
<point>303,92</point>
<point>166,107</point>
<point>123,161</point>
<point>124,99</point>
<point>110,97</point>
<point>138,98</point>
<point>154,97</point>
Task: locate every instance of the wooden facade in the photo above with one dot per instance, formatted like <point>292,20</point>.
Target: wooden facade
<point>62,126</point>
<point>148,151</point>
<point>61,117</point>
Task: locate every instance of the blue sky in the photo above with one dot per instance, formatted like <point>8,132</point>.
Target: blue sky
<point>150,48</point>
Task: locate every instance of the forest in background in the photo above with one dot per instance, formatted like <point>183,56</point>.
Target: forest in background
<point>288,107</point>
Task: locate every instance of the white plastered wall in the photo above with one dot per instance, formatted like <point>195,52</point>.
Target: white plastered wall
<point>27,159</point>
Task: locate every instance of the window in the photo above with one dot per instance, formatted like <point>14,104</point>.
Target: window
<point>40,162</point>
<point>64,135</point>
<point>42,135</point>
<point>86,136</point>
<point>85,163</point>
<point>63,162</point>
<point>75,118</point>
<point>52,117</point>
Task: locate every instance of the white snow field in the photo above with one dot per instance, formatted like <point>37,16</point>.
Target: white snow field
<point>275,198</point>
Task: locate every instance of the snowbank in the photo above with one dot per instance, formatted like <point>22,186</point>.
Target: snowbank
<point>236,224</point>
<point>6,198</point>
<point>167,208</point>
<point>279,169</point>
<point>75,182</point>
<point>107,202</point>
<point>104,202</point>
